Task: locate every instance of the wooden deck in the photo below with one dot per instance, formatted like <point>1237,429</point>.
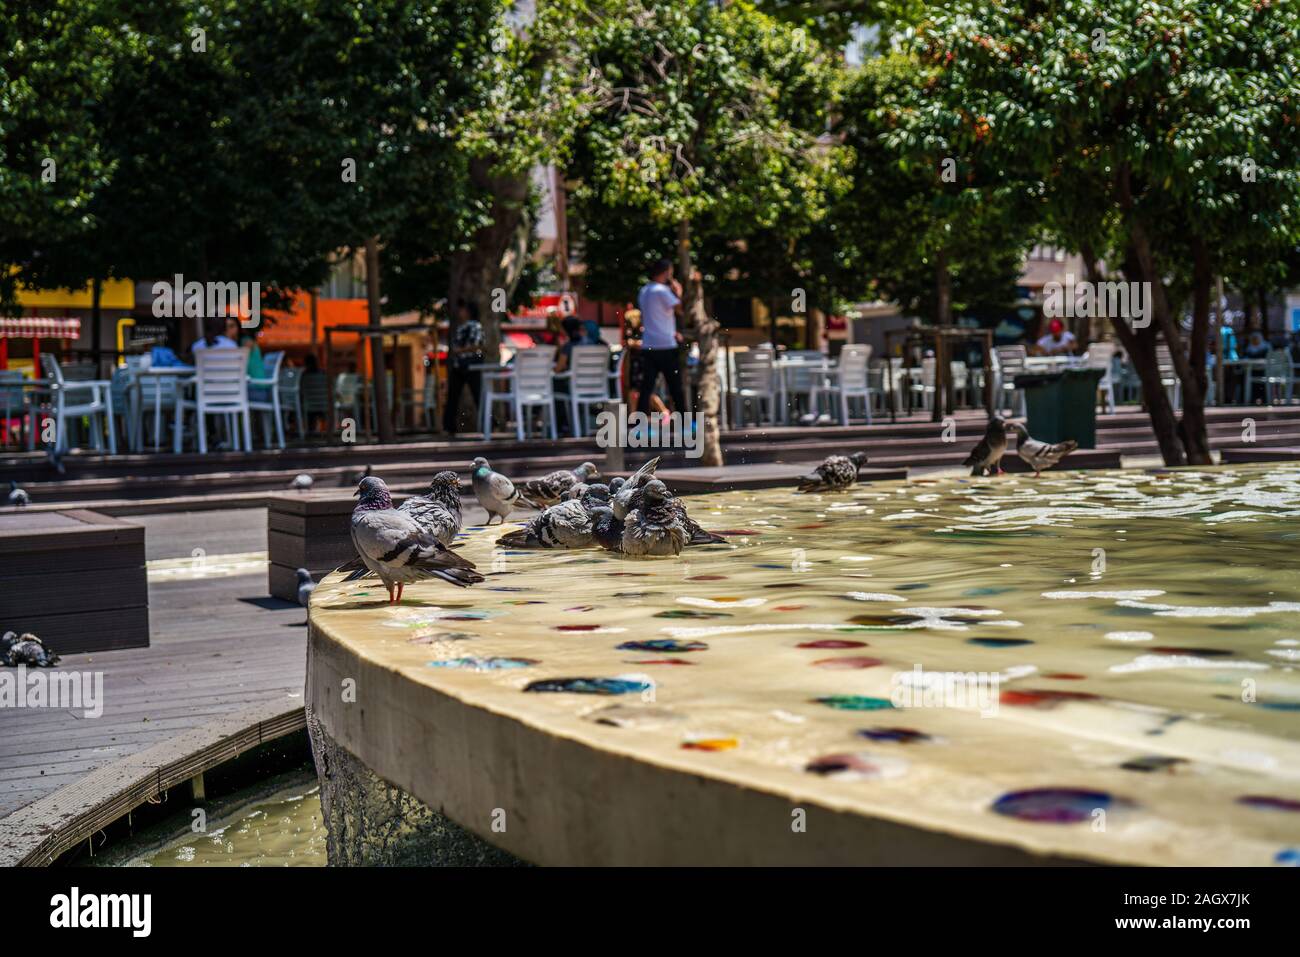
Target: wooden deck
<point>219,645</point>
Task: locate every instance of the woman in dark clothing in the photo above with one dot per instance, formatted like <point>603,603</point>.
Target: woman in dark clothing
<point>465,350</point>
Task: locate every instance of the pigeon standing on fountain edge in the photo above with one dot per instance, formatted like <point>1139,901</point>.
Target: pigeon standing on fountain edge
<point>987,454</point>
<point>550,488</point>
<point>437,511</point>
<point>1039,455</point>
<point>496,493</point>
<point>835,473</point>
<point>394,547</point>
<point>566,525</point>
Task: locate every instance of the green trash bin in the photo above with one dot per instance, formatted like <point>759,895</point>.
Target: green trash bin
<point>1062,405</point>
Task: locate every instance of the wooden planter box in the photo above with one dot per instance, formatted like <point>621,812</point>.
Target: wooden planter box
<point>306,531</point>
<point>75,578</point>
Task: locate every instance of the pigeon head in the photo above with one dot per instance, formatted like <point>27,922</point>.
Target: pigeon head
<point>480,464</point>
<point>593,495</point>
<point>654,492</point>
<point>304,576</point>
<point>9,638</point>
<point>997,424</point>
<point>615,484</point>
<point>373,493</point>
<point>858,458</point>
<point>576,492</point>
<point>445,489</point>
<point>1021,432</point>
<point>586,471</point>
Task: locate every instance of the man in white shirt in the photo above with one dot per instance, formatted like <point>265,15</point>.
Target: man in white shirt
<point>660,302</point>
<point>1058,341</point>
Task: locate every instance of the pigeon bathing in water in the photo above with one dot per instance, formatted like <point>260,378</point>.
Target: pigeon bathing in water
<point>1040,455</point>
<point>496,493</point>
<point>301,482</point>
<point>393,545</point>
<point>654,527</point>
<point>625,490</point>
<point>550,489</point>
<point>26,649</point>
<point>836,473</point>
<point>566,525</point>
<point>986,457</point>
<point>305,587</point>
<point>18,497</point>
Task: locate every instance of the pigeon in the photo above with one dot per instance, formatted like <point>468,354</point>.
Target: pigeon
<point>626,490</point>
<point>566,525</point>
<point>550,489</point>
<point>397,549</point>
<point>836,473</point>
<point>494,491</point>
<point>1040,455</point>
<point>986,457</point>
<point>301,482</point>
<point>306,585</point>
<point>26,649</point>
<point>437,511</point>
<point>18,497</point>
<point>653,527</point>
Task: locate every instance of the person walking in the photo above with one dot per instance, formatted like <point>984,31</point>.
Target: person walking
<point>464,351</point>
<point>660,302</point>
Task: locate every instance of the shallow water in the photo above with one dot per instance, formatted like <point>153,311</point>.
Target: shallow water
<point>1131,639</point>
<point>281,829</point>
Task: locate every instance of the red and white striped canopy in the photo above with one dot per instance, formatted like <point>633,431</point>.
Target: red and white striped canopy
<point>40,327</point>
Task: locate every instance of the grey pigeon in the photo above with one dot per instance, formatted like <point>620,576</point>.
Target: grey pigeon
<point>836,473</point>
<point>1040,455</point>
<point>625,492</point>
<point>437,511</point>
<point>629,499</point>
<point>986,457</point>
<point>566,525</point>
<point>394,547</point>
<point>496,493</point>
<point>302,482</point>
<point>26,649</point>
<point>306,585</point>
<point>18,497</point>
<point>654,527</point>
<point>550,488</point>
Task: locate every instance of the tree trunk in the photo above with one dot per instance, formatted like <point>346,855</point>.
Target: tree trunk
<point>942,289</point>
<point>1140,345</point>
<point>378,367</point>
<point>480,270</point>
<point>706,330</point>
<point>1192,428</point>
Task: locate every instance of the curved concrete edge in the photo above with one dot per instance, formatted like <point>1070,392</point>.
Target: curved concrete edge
<point>556,801</point>
<point>35,835</point>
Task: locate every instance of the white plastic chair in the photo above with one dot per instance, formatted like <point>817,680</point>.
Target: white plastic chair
<point>754,382</point>
<point>347,397</point>
<point>588,376</point>
<point>1101,355</point>
<point>92,398</point>
<point>1278,375</point>
<point>290,388</point>
<point>14,404</point>
<point>853,381</point>
<point>534,388</point>
<point>925,389</point>
<point>1008,362</point>
<point>220,388</point>
<point>800,376</point>
<point>269,407</point>
<point>490,395</point>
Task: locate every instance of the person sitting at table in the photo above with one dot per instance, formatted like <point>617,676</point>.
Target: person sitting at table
<point>464,352</point>
<point>1058,341</point>
<point>1256,345</point>
<point>214,335</point>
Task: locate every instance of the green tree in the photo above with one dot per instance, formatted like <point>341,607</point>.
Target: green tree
<point>1139,121</point>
